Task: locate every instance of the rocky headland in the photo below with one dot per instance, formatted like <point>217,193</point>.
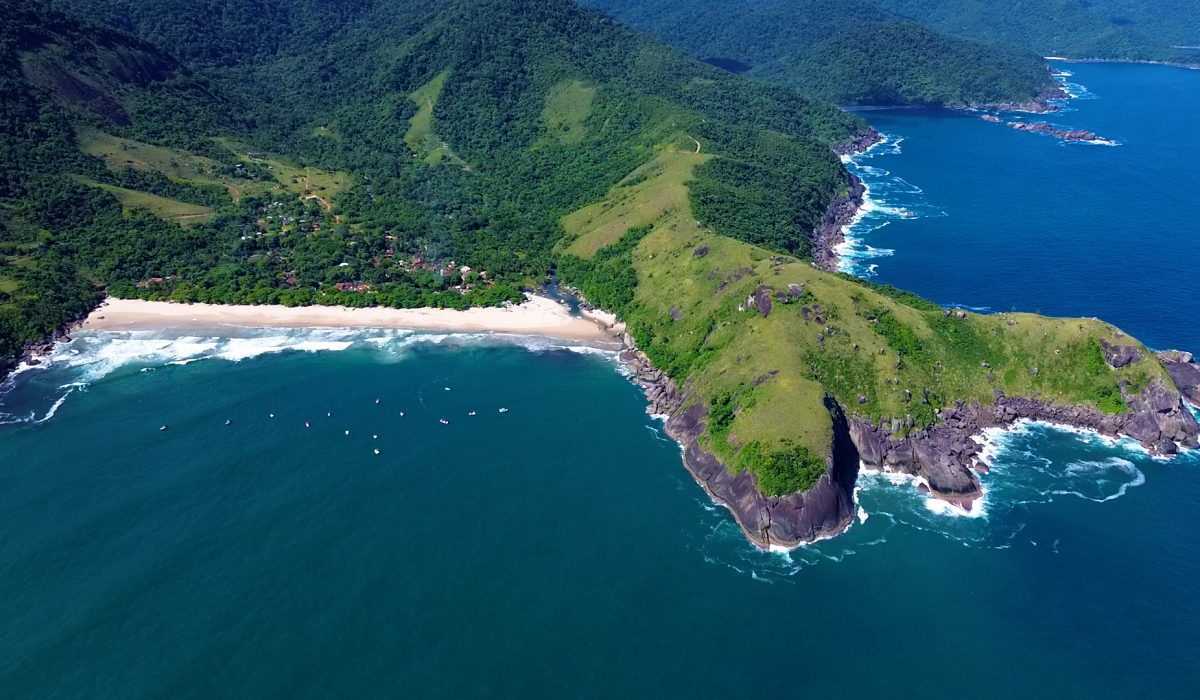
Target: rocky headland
<point>946,455</point>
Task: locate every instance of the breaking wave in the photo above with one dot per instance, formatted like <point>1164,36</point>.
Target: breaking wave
<point>888,199</point>
<point>93,355</point>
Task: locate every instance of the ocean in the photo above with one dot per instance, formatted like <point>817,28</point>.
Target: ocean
<point>975,214</point>
<point>260,547</point>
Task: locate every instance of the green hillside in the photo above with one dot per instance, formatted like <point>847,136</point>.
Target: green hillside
<point>1108,29</point>
<point>693,303</point>
<point>852,52</point>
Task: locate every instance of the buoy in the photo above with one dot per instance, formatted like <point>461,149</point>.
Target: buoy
<point>376,451</point>
<point>402,414</point>
<point>305,424</point>
<point>376,400</point>
<point>374,437</point>
<point>328,414</point>
<point>347,432</point>
<point>272,415</point>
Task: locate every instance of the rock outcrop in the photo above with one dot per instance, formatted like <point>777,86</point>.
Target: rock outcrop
<point>947,457</point>
<point>838,216</point>
<point>1185,373</point>
<point>822,511</point>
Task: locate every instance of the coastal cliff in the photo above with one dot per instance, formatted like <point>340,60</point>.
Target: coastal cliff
<point>785,521</point>
<point>946,454</point>
<point>841,211</point>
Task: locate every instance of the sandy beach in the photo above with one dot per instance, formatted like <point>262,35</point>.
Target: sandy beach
<point>539,315</point>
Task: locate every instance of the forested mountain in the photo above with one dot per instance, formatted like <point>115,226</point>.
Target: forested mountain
<point>850,51</point>
<point>340,154</point>
<point>1108,29</point>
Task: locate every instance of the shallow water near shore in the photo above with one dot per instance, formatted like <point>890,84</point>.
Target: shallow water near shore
<point>557,548</point>
<point>975,214</point>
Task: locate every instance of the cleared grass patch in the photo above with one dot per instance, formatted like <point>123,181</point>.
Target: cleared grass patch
<point>567,108</point>
<point>185,167</point>
<point>182,213</point>
<point>655,193</point>
<point>420,136</point>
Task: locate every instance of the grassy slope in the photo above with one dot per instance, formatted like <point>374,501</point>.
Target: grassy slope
<point>421,137</point>
<point>567,108</point>
<point>182,213</point>
<point>873,345</point>
<point>189,168</point>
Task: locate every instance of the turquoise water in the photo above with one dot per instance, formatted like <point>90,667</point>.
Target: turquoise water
<point>1008,220</point>
<point>558,549</point>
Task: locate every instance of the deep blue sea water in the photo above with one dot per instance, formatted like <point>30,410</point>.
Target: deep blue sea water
<point>557,549</point>
<point>1009,220</point>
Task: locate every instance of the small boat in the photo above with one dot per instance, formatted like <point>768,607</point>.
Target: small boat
<point>228,422</point>
<point>443,421</point>
<point>347,432</point>
<point>446,388</point>
<point>272,415</point>
<point>305,424</point>
<point>471,413</point>
<point>376,400</point>
<point>327,415</point>
<point>374,437</point>
<point>504,410</point>
<point>402,414</point>
<point>376,451</point>
<point>164,427</point>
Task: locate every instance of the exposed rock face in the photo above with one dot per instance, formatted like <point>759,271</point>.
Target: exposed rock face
<point>661,392</point>
<point>822,511</point>
<point>1118,356</point>
<point>947,457</point>
<point>762,299</point>
<point>1185,373</point>
<point>858,144</point>
<point>1046,128</point>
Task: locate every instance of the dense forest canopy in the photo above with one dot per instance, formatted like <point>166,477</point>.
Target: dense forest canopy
<point>850,51</point>
<point>359,152</point>
<point>1107,29</point>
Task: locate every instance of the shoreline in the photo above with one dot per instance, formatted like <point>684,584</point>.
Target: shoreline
<point>1129,61</point>
<point>537,316</point>
<point>844,211</point>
